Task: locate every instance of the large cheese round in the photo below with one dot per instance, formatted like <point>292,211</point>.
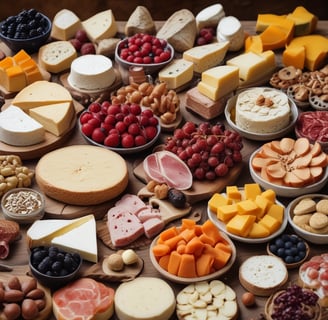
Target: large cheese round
<point>262,110</point>
<point>263,274</point>
<point>144,298</point>
<point>91,72</point>
<point>82,174</point>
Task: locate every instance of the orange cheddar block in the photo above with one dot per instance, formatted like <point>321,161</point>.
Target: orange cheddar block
<point>6,63</point>
<point>254,44</point>
<point>15,80</point>
<point>258,231</point>
<point>241,224</point>
<point>21,56</point>
<point>277,211</point>
<point>226,212</point>
<point>248,207</point>
<point>233,193</point>
<point>264,204</point>
<point>217,200</point>
<point>273,37</point>
<point>271,223</point>
<point>294,56</point>
<point>252,190</point>
<point>305,21</point>
<point>269,194</point>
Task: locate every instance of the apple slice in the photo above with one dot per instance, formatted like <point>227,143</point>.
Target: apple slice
<point>316,149</point>
<point>292,180</point>
<point>287,145</point>
<point>316,173</point>
<point>267,152</point>
<point>301,162</point>
<point>302,146</point>
<point>320,160</point>
<point>304,174</point>
<point>259,162</point>
<point>264,176</point>
<point>276,170</point>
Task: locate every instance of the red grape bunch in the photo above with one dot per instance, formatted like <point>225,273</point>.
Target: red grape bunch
<point>208,150</point>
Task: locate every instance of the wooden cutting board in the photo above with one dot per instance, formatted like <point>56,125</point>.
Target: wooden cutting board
<point>200,190</point>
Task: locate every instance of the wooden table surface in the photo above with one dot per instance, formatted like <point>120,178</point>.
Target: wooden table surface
<point>18,258</point>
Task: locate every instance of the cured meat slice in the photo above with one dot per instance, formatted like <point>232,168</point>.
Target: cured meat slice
<point>131,203</point>
<point>83,299</point>
<point>153,227</point>
<point>167,167</point>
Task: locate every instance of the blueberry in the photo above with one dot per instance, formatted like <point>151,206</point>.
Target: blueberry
<point>301,246</point>
<point>281,252</point>
<point>273,248</point>
<point>289,259</point>
<point>288,244</point>
<point>279,243</point>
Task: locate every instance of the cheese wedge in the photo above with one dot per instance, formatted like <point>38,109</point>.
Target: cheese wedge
<point>19,129</point>
<point>76,235</point>
<point>55,118</point>
<point>41,93</point>
<point>100,26</point>
<point>65,24</point>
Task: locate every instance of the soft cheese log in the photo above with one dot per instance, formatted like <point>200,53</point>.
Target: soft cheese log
<point>100,26</point>
<point>19,129</point>
<point>206,56</point>
<point>219,81</point>
<point>65,24</point>
<point>230,29</point>
<point>179,30</point>
<point>210,16</point>
<point>177,73</point>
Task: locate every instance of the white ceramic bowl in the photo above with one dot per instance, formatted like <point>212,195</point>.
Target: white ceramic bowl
<point>184,280</point>
<point>284,191</point>
<point>221,225</point>
<point>307,235</point>
<point>229,111</point>
<point>23,205</point>
<point>149,68</point>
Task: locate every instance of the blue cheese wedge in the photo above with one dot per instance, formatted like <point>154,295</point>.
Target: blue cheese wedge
<point>19,129</point>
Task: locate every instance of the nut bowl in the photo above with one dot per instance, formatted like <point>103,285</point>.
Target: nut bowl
<point>150,67</point>
<point>23,205</point>
<point>30,43</point>
<point>64,266</point>
<point>303,230</point>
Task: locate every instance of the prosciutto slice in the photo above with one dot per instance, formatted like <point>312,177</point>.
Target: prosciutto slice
<point>83,299</point>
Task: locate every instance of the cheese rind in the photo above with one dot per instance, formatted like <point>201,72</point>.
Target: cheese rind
<point>210,16</point>
<point>19,129</point>
<point>57,56</point>
<point>177,73</point>
<point>65,24</point>
<point>206,56</point>
<point>100,26</point>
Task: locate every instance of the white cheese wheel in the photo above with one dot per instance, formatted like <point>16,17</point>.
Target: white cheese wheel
<point>144,298</point>
<point>263,274</point>
<point>230,29</point>
<point>210,16</point>
<point>82,174</point>
<point>91,72</point>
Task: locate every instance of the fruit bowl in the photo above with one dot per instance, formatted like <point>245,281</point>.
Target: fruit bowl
<point>286,191</point>
<point>303,230</point>
<point>229,115</point>
<point>29,43</point>
<point>149,65</point>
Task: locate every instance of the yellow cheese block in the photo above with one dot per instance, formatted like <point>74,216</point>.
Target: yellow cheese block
<point>252,190</point>
<point>258,231</point>
<point>316,50</point>
<point>270,222</point>
<point>294,57</point>
<point>15,80</point>
<point>177,73</point>
<point>248,207</point>
<point>241,225</point>
<point>100,26</point>
<point>219,81</point>
<point>269,194</point>
<point>65,25</point>
<point>233,193</point>
<point>253,66</point>
<point>226,212</point>
<point>216,201</point>
<point>253,43</point>
<point>305,21</point>
<point>41,93</point>
<point>276,211</point>
<point>206,56</point>
<point>264,204</point>
<point>55,118</point>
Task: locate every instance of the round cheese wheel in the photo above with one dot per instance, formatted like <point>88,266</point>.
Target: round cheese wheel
<point>263,274</point>
<point>144,298</point>
<point>82,174</point>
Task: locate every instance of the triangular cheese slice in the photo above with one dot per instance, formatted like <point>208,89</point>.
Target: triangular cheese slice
<point>41,93</point>
<point>55,118</point>
<point>82,239</point>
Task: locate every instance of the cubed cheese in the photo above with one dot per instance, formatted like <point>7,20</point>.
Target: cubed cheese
<point>269,194</point>
<point>177,73</point>
<point>264,204</point>
<point>276,211</point>
<point>248,207</point>
<point>233,193</point>
<point>226,212</point>
<point>217,200</point>
<point>241,225</point>
<point>100,26</point>
<point>258,231</point>
<point>65,25</point>
<point>270,222</point>
<point>206,56</point>
<point>252,190</point>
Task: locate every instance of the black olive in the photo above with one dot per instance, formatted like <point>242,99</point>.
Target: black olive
<point>177,198</point>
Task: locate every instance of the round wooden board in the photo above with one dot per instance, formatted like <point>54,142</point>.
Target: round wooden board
<point>45,313</point>
<point>50,143</point>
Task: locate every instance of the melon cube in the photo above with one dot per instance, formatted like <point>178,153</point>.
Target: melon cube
<point>233,193</point>
<point>241,224</point>
<point>252,190</point>
<point>217,200</point>
<point>277,211</point>
<point>258,231</point>
<point>271,223</point>
<point>226,212</point>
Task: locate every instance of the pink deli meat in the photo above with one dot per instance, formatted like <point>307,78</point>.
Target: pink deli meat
<point>167,167</point>
<point>313,125</point>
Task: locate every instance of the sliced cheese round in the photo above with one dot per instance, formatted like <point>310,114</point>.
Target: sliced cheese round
<point>144,298</point>
<point>210,16</point>
<point>82,174</point>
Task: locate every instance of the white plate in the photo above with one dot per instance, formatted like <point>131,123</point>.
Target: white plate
<point>183,280</point>
<point>284,191</point>
<point>222,226</point>
<point>257,136</point>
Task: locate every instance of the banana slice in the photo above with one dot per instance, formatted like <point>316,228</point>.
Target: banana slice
<point>206,301</point>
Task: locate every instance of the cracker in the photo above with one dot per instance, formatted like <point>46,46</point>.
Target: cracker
<point>322,206</point>
<point>302,220</point>
<point>306,205</point>
<point>318,220</point>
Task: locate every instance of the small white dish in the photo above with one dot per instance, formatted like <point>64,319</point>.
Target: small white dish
<point>229,115</point>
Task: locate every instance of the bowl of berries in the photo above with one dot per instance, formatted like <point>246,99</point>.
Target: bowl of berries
<point>28,30</point>
<point>126,128</point>
<point>145,51</point>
